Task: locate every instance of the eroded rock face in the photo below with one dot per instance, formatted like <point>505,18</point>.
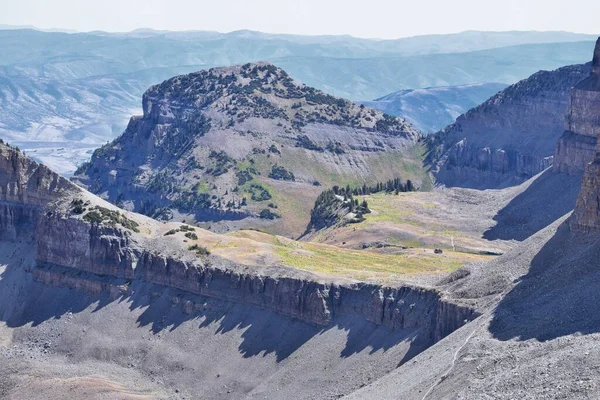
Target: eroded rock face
<point>577,146</point>
<point>573,152</point>
<point>25,182</point>
<point>584,116</point>
<point>510,137</point>
<point>586,217</point>
<point>467,162</point>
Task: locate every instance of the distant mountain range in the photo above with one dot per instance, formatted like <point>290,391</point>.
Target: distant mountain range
<point>63,95</point>
<point>432,109</point>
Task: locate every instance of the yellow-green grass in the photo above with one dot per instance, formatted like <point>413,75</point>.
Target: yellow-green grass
<point>259,249</point>
<point>294,202</point>
<point>358,264</point>
<point>414,219</point>
<point>202,187</point>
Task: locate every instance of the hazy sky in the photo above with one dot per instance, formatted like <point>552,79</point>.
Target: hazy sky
<point>362,18</point>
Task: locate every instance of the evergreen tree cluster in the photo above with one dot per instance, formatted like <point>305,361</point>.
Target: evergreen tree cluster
<point>391,186</point>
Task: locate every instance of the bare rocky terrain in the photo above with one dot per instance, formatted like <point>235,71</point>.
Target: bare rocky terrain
<point>538,332</point>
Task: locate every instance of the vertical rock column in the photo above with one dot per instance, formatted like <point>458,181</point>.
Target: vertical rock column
<point>584,115</point>
<point>577,146</point>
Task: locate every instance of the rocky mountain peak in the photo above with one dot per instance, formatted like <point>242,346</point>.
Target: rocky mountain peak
<point>258,90</point>
<point>510,137</point>
<point>242,143</point>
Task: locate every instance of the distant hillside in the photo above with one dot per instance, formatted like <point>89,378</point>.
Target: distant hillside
<point>65,94</point>
<point>510,137</point>
<point>250,147</point>
<point>432,109</point>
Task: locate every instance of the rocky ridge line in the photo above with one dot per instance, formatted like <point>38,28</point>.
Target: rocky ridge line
<point>577,146</point>
<point>509,138</point>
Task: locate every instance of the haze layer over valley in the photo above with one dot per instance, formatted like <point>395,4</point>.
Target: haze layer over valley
<point>63,95</point>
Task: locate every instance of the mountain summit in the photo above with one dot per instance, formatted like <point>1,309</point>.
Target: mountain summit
<point>247,143</point>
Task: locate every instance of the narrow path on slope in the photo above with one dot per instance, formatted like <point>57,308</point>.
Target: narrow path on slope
<point>454,359</point>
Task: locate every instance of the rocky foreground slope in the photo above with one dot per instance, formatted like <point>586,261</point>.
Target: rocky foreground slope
<point>248,146</point>
<point>509,138</point>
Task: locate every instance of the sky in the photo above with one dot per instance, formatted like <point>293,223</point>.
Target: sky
<point>386,19</point>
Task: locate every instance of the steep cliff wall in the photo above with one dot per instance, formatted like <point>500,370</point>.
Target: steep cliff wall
<point>25,188</point>
<point>577,146</point>
<point>586,217</point>
<point>303,299</point>
<point>584,117</point>
<point>510,137</point>
<point>28,183</point>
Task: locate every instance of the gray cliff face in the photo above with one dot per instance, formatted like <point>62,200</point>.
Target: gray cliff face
<point>586,217</point>
<point>28,183</point>
<point>573,152</point>
<point>577,146</point>
<point>110,252</point>
<point>25,187</point>
<point>510,137</point>
<point>96,257</point>
<point>584,118</point>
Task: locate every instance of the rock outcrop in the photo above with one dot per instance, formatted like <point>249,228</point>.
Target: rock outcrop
<point>510,137</point>
<point>583,120</point>
<point>577,146</point>
<point>586,217</point>
<point>229,143</point>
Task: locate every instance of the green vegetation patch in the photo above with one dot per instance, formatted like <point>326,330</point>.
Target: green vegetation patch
<point>305,142</point>
<point>365,264</point>
<point>259,193</point>
<point>191,235</point>
<point>280,173</point>
<point>268,214</point>
<point>200,250</point>
<point>222,163</point>
<point>102,215</point>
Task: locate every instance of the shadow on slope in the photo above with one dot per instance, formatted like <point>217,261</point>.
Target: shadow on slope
<point>547,198</point>
<point>24,301</point>
<point>560,294</point>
